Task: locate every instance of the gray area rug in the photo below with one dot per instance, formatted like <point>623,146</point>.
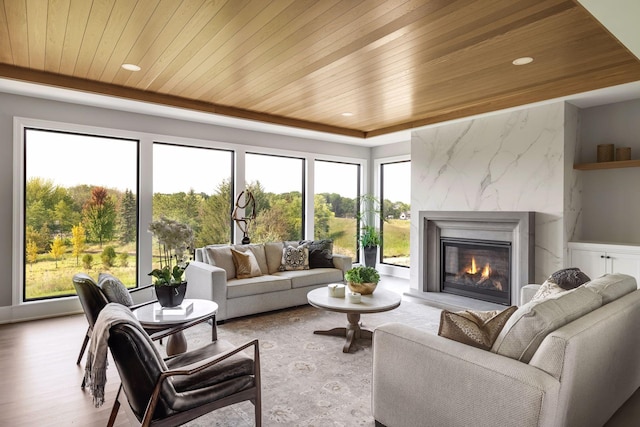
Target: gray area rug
<point>306,379</point>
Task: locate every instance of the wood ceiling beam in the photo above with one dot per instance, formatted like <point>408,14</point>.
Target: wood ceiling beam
<point>57,80</point>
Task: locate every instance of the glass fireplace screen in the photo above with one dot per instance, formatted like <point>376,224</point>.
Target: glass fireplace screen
<point>477,269</point>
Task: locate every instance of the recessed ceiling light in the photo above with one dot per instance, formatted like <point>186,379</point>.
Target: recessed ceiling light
<point>523,61</point>
<point>131,67</point>
<point>347,114</point>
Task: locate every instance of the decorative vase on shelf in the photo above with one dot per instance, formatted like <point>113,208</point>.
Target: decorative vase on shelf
<point>171,295</point>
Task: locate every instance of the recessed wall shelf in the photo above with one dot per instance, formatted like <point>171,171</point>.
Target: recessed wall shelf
<point>607,165</point>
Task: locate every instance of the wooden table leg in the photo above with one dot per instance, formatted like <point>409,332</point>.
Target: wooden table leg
<point>176,344</point>
<point>352,332</point>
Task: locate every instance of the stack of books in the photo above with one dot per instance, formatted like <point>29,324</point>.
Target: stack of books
<point>178,312</point>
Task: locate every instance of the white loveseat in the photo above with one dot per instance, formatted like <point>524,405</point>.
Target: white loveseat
<point>578,376</point>
<point>212,276</point>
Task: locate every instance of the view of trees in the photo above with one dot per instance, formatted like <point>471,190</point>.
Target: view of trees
<point>96,227</point>
<point>77,220</point>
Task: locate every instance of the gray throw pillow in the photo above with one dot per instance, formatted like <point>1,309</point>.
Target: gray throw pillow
<point>320,253</point>
<point>569,278</point>
<point>114,290</point>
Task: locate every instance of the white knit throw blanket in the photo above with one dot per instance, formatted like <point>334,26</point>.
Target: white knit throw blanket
<point>96,367</point>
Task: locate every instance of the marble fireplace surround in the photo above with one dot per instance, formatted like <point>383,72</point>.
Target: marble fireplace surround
<point>518,228</point>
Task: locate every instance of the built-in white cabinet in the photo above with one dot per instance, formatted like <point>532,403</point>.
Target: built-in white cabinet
<point>596,259</point>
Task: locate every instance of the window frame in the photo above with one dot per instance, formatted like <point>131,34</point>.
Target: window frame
<point>168,141</point>
<point>66,305</point>
<point>21,126</point>
<point>359,167</point>
<point>304,161</point>
<point>387,268</point>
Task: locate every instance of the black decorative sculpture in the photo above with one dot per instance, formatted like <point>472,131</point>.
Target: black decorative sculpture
<point>249,209</point>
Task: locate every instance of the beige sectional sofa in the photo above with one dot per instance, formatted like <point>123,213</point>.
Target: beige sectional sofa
<point>212,276</point>
<point>576,375</point>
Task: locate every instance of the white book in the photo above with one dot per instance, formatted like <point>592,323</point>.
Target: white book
<point>178,311</point>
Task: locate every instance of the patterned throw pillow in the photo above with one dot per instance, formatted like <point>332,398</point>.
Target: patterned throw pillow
<point>246,264</point>
<point>320,253</point>
<point>477,328</point>
<point>114,290</point>
<point>295,258</point>
<point>561,281</point>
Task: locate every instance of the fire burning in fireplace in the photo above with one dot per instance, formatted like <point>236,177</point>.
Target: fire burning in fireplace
<point>480,278</point>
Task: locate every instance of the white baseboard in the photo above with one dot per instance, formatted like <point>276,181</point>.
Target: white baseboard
<point>40,310</point>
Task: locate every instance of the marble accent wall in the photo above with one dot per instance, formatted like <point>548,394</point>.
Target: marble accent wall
<point>573,179</point>
<point>511,161</point>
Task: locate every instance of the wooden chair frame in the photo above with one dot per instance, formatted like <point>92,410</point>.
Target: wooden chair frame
<point>253,394</point>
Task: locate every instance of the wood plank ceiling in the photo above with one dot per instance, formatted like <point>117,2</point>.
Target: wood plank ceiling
<point>393,64</point>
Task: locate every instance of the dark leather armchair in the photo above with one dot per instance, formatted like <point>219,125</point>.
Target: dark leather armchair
<point>93,301</point>
<point>186,386</point>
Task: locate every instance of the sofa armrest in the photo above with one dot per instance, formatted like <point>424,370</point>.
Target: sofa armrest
<point>423,379</point>
<point>342,262</point>
<point>527,292</point>
<point>208,282</point>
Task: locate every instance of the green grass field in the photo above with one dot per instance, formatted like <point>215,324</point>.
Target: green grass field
<point>396,239</point>
<point>44,279</point>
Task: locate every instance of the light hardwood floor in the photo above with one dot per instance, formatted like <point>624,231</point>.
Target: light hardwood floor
<point>40,382</point>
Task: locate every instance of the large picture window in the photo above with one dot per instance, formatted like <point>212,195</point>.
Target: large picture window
<point>80,210</point>
<point>395,193</point>
<point>337,190</point>
<point>194,186</point>
<point>277,184</point>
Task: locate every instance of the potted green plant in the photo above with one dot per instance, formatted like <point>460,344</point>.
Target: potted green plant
<point>362,279</point>
<point>174,241</point>
<point>369,240</point>
<point>369,236</point>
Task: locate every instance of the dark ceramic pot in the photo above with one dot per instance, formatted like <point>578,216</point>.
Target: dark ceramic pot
<point>370,256</point>
<point>171,295</point>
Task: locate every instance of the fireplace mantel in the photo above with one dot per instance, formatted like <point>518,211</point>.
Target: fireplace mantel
<point>518,228</point>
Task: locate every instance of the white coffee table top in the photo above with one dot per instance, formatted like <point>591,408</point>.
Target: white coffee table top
<point>201,308</point>
<point>379,300</point>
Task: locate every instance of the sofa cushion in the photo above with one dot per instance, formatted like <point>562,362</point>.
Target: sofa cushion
<point>612,286</point>
<point>316,276</point>
<point>246,264</point>
<point>220,256</point>
<point>561,281</point>
<point>257,285</point>
<point>295,258</point>
<point>114,289</point>
<point>273,252</point>
<point>546,290</point>
<point>320,253</point>
<point>258,252</point>
<point>477,328</point>
<point>527,327</point>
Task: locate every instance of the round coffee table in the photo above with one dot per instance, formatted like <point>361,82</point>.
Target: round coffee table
<point>151,319</point>
<point>377,302</point>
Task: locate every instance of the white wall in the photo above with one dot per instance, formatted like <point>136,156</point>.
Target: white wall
<point>506,162</point>
<point>22,106</point>
<point>611,197</point>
